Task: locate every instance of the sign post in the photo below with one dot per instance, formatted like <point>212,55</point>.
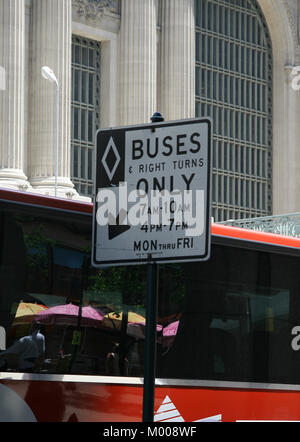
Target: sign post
<point>150,336</point>
<point>152,205</point>
<point>150,341</point>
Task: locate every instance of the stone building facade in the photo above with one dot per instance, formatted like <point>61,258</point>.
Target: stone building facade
<point>119,61</point>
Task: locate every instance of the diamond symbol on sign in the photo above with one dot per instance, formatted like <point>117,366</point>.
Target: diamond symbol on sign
<point>111,147</point>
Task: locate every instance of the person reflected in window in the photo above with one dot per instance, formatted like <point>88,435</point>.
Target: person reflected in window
<point>134,360</point>
<point>112,361</point>
<point>26,354</point>
<point>39,340</point>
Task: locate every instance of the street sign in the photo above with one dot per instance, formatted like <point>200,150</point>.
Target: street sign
<point>153,193</point>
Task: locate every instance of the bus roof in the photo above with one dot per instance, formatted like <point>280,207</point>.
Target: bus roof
<point>87,208</point>
<point>46,201</point>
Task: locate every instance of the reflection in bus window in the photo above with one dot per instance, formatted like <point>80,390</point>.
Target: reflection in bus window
<point>229,318</point>
<point>83,312</point>
<point>236,319</point>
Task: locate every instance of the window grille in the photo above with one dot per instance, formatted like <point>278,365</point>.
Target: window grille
<point>85,111</point>
<point>234,87</point>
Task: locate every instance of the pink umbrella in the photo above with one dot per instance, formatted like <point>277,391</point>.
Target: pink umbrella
<point>171,329</point>
<point>90,315</point>
<point>68,315</point>
<point>169,332</point>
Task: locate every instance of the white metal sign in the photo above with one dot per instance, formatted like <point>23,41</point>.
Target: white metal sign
<point>153,193</point>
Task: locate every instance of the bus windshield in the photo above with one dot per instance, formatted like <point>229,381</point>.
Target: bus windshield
<point>232,318</point>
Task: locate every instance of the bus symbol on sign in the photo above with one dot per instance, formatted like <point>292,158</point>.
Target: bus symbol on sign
<point>153,193</point>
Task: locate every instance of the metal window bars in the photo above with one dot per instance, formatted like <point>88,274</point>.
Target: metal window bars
<point>234,87</point>
<point>85,111</point>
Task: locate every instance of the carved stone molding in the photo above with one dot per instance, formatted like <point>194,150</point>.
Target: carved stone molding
<point>94,10</point>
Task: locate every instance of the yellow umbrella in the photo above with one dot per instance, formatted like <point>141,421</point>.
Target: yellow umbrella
<point>26,311</point>
<point>114,320</point>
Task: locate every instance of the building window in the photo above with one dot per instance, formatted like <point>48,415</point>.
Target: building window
<point>85,111</point>
<point>234,88</point>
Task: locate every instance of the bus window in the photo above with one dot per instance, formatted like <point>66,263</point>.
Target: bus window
<point>12,267</point>
<point>239,311</point>
<point>92,321</point>
<point>231,318</point>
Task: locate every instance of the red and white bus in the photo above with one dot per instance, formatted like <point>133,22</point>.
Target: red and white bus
<point>228,333</point>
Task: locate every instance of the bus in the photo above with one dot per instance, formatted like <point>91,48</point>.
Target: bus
<point>228,329</point>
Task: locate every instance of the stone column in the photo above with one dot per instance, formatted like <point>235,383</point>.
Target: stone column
<point>137,62</point>
<point>51,43</point>
<point>12,96</point>
<point>176,88</point>
<point>286,158</point>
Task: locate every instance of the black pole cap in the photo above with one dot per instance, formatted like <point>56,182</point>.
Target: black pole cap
<point>157,117</point>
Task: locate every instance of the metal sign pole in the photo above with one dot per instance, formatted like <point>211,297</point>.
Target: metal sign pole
<point>151,320</point>
<point>150,342</point>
